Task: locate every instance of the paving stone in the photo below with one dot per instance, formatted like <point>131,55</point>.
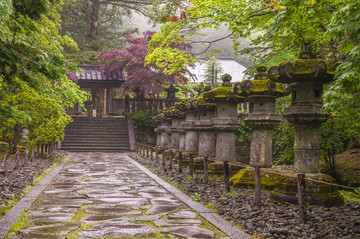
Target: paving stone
<point>138,218</point>
<point>121,200</point>
<point>65,201</point>
<point>161,209</point>
<point>56,208</point>
<point>100,218</point>
<point>113,211</point>
<point>150,195</point>
<point>40,217</point>
<point>113,229</point>
<point>182,222</point>
<point>41,236</point>
<point>164,201</point>
<point>189,232</point>
<point>183,214</point>
<point>50,229</point>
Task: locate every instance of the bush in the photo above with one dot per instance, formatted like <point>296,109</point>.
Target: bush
<point>143,120</point>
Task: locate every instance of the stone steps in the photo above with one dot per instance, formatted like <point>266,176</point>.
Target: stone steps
<point>86,134</point>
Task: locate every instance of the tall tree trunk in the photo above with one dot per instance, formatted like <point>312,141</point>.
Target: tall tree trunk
<point>94,28</point>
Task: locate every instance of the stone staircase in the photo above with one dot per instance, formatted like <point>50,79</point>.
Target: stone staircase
<point>106,134</point>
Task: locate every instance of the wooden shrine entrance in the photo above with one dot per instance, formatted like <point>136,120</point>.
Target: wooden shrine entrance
<point>101,87</point>
<point>107,97</point>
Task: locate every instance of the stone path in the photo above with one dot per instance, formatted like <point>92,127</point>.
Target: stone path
<point>108,195</point>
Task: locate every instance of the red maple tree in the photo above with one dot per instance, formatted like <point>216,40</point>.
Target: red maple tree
<point>142,79</point>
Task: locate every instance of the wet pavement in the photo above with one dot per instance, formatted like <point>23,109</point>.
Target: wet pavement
<point>106,195</point>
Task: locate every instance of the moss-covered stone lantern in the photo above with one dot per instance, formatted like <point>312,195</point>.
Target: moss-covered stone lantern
<point>204,126</point>
<point>180,128</point>
<point>306,77</point>
<point>226,121</point>
<point>191,135</point>
<point>261,94</point>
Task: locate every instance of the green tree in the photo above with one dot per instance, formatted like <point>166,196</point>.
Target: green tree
<point>213,70</point>
<point>96,25</point>
<point>31,61</point>
<point>274,26</point>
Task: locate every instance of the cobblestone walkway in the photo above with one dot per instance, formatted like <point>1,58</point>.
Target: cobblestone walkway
<point>100,195</point>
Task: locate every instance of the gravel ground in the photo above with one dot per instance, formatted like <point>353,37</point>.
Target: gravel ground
<point>272,220</point>
<point>17,180</point>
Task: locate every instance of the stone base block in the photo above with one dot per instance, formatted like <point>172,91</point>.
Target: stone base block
<point>199,163</point>
<point>217,169</point>
<point>245,179</point>
<point>316,193</point>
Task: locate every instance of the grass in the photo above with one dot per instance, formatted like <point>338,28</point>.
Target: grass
<point>350,196</point>
<point>20,223</point>
<point>7,205</point>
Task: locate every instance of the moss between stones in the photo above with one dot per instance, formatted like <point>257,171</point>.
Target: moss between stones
<point>262,86</point>
<point>306,66</point>
<point>317,193</point>
<point>285,186</point>
<point>245,178</point>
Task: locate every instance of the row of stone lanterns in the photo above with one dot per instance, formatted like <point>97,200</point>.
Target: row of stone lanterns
<point>205,126</point>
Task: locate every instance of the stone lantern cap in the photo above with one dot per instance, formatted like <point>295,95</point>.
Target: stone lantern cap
<point>174,112</point>
<point>200,103</point>
<point>162,116</point>
<point>260,86</point>
<point>223,93</point>
<point>305,69</point>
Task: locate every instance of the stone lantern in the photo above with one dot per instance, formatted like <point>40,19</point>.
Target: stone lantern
<point>261,94</point>
<point>204,126</point>
<point>226,120</point>
<point>171,98</point>
<point>306,77</point>
<point>175,115</point>
<point>160,131</point>
<point>191,135</point>
<point>180,128</point>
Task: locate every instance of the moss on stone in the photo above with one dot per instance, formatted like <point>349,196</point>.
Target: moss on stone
<point>245,178</point>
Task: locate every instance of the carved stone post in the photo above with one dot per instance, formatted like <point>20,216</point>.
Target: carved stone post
<point>306,76</point>
<point>261,94</point>
<point>204,126</point>
<point>225,122</point>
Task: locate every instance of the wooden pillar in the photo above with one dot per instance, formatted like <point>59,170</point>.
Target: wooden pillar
<point>6,166</point>
<point>156,156</point>
<point>226,176</point>
<point>151,154</point>
<point>302,197</point>
<point>17,158</point>
<point>109,101</point>
<point>32,153</point>
<point>170,159</point>
<point>27,154</point>
<point>257,186</point>
<point>180,162</point>
<point>191,164</point>
<point>206,170</point>
<point>163,159</point>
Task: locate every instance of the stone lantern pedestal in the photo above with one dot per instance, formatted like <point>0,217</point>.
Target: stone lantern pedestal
<point>161,135</point>
<point>191,135</point>
<point>204,126</point>
<point>261,94</point>
<point>306,77</point>
<point>226,122</point>
<point>175,115</point>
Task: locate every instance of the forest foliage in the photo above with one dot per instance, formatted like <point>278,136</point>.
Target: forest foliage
<point>34,88</point>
